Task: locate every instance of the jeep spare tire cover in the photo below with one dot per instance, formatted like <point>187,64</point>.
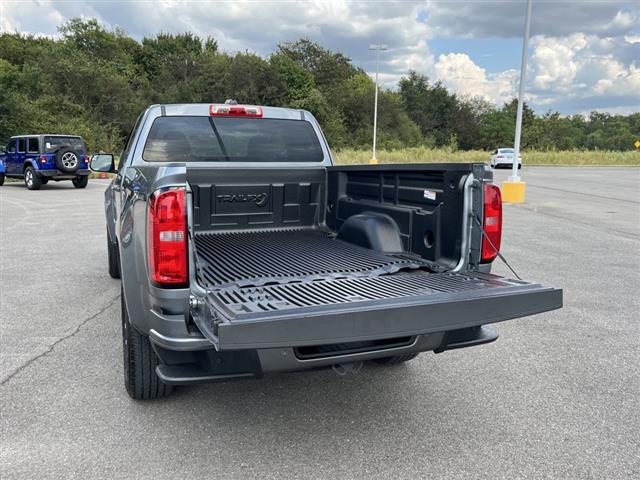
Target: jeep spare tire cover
<point>67,160</point>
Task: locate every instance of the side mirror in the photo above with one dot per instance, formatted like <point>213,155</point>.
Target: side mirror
<point>102,162</point>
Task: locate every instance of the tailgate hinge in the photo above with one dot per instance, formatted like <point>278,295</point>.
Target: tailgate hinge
<point>204,316</point>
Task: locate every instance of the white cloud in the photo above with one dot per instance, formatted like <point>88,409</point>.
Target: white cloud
<point>552,60</point>
<point>583,66</point>
<point>417,58</point>
<point>460,74</point>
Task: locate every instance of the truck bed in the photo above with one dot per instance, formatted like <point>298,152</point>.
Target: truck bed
<point>256,258</point>
<point>314,256</point>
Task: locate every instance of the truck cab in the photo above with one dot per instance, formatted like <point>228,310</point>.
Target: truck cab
<point>39,158</point>
<point>243,250</point>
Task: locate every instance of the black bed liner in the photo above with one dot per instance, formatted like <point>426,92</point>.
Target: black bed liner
<point>238,304</point>
<point>253,258</point>
<point>272,272</point>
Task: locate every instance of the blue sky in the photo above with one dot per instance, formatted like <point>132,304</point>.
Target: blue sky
<point>584,55</point>
<point>493,54</point>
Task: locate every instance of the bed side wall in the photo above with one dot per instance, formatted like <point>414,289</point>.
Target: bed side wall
<point>425,202</point>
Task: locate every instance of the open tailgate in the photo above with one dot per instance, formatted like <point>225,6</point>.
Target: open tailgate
<point>365,308</point>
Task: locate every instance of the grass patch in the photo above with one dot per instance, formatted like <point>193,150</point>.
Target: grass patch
<point>433,155</point>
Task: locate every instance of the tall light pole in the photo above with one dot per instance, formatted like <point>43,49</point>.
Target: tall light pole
<point>513,189</point>
<point>378,49</point>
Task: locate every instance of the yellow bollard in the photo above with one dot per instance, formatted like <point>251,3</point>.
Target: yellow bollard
<point>513,192</point>
<point>373,161</point>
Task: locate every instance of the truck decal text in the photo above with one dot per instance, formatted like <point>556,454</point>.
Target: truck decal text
<point>259,199</point>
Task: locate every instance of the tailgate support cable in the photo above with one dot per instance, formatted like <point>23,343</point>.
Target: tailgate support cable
<point>484,234</point>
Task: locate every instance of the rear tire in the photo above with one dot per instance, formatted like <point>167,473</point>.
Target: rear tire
<point>1,179</point>
<point>44,181</point>
<point>140,362</point>
<point>80,182</point>
<point>396,359</point>
<point>31,180</point>
<point>113,257</point>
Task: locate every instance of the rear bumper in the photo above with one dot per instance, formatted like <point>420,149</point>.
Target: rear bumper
<point>57,174</point>
<point>211,365</point>
<point>180,344</point>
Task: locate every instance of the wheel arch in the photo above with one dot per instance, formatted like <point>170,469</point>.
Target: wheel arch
<point>29,163</point>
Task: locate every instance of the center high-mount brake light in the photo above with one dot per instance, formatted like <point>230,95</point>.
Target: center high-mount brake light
<point>227,110</point>
<point>167,238</point>
<point>491,222</point>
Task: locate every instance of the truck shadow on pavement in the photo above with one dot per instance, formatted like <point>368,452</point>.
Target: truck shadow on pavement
<point>286,404</point>
<point>49,186</point>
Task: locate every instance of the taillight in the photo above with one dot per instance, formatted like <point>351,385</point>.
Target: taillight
<point>167,237</point>
<point>86,159</point>
<point>43,159</point>
<point>226,110</point>
<point>491,222</point>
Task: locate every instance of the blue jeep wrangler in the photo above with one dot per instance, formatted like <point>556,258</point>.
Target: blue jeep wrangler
<point>40,158</point>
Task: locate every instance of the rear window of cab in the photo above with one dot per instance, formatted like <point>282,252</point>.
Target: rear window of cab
<point>53,143</point>
<point>231,139</point>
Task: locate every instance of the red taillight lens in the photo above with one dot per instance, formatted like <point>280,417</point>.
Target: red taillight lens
<point>491,222</point>
<point>167,237</point>
<point>43,159</point>
<point>224,110</point>
<point>86,159</point>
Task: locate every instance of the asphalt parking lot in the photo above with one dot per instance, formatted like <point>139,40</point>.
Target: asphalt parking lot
<point>557,396</point>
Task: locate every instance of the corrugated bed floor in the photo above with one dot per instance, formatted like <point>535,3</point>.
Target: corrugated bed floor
<point>258,258</point>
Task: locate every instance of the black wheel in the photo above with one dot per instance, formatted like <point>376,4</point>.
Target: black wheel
<point>67,160</point>
<point>31,180</point>
<point>80,182</point>
<point>140,362</point>
<point>114,260</point>
<point>396,359</point>
<point>1,179</point>
<point>44,181</point>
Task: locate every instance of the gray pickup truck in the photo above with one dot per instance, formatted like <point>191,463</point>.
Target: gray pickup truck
<point>243,250</point>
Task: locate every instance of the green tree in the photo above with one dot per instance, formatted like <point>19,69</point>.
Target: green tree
<point>431,107</point>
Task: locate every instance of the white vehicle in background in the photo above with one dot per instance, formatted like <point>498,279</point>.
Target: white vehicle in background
<point>503,157</point>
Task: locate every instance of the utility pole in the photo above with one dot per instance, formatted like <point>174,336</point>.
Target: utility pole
<point>514,189</point>
<point>378,49</point>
